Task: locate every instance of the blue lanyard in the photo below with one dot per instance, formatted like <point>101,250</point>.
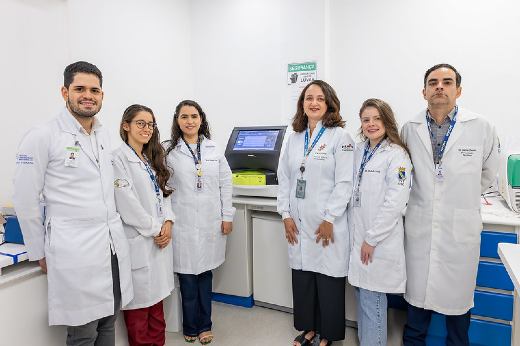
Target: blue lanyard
<point>366,157</point>
<point>150,172</point>
<point>306,149</point>
<point>195,158</point>
<point>448,133</point>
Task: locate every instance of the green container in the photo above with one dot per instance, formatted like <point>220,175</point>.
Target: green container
<point>251,178</point>
<point>513,171</point>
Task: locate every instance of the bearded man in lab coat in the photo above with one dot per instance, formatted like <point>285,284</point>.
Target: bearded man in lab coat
<point>455,155</point>
<point>81,244</point>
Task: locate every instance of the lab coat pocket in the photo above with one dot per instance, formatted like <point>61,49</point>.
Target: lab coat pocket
<point>138,252</point>
<point>467,226</point>
<point>211,166</point>
<point>467,159</point>
<point>412,221</point>
<point>79,243</point>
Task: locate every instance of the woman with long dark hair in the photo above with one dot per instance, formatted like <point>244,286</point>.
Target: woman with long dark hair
<point>202,203</point>
<point>315,184</point>
<point>143,201</point>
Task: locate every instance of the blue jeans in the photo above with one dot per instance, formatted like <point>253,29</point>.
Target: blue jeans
<point>372,310</point>
<point>418,321</point>
<point>196,302</point>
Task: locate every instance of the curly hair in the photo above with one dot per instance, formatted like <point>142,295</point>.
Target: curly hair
<point>152,150</point>
<point>176,131</point>
<point>332,118</point>
<point>388,119</point>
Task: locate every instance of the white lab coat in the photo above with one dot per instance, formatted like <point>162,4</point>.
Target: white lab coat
<point>81,219</point>
<point>328,172</point>
<point>136,202</point>
<point>198,242</point>
<point>379,220</point>
<point>443,221</point>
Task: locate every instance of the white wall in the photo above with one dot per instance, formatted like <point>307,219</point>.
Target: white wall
<point>241,49</point>
<point>382,49</point>
<point>236,55</point>
<point>142,48</point>
<point>231,56</point>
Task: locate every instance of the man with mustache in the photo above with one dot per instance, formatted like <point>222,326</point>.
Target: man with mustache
<point>80,244</point>
<point>455,155</point>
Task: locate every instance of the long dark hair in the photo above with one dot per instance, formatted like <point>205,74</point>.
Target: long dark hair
<point>332,118</point>
<point>152,150</point>
<point>388,119</point>
<point>176,130</point>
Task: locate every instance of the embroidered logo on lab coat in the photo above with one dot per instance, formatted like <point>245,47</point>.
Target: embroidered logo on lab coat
<point>498,144</point>
<point>22,159</point>
<point>320,154</point>
<point>121,183</point>
<point>348,147</point>
<point>401,175</point>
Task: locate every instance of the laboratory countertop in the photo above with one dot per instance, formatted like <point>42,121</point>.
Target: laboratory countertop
<point>498,212</point>
<point>510,256</point>
<point>263,201</point>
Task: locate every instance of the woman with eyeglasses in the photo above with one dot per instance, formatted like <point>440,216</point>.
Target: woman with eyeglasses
<point>202,203</point>
<point>143,201</point>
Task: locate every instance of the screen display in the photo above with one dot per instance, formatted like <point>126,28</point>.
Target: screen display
<point>256,140</point>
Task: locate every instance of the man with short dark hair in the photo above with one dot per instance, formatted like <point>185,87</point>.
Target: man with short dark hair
<point>81,244</point>
<point>455,155</point>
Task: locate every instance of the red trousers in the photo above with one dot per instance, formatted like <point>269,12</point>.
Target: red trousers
<point>146,326</point>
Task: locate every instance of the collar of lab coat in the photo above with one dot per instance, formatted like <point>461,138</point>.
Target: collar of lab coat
<point>384,146</point>
<point>423,132</point>
<point>205,143</point>
<point>70,124</point>
<point>129,153</point>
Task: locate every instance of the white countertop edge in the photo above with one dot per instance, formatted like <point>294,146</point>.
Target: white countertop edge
<point>510,256</point>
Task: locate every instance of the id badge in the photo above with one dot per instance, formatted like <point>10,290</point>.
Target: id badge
<point>159,209</point>
<point>357,199</point>
<point>300,188</point>
<point>439,172</point>
<point>199,185</point>
<point>71,157</point>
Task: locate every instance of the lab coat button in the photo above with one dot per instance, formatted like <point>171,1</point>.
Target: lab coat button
<point>436,201</point>
<point>436,226</point>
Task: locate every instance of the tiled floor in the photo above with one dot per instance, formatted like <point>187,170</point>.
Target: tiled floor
<point>234,326</point>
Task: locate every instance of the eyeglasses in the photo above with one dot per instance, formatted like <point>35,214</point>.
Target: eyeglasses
<point>141,124</point>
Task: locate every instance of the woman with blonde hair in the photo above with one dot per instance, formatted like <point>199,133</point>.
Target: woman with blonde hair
<point>381,188</point>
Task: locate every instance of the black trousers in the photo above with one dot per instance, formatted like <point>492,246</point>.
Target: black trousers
<point>319,304</point>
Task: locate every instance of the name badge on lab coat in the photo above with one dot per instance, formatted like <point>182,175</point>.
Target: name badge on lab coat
<point>357,199</point>
<point>300,188</point>
<point>71,157</point>
<point>159,209</point>
<point>199,184</point>
<point>439,172</point>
